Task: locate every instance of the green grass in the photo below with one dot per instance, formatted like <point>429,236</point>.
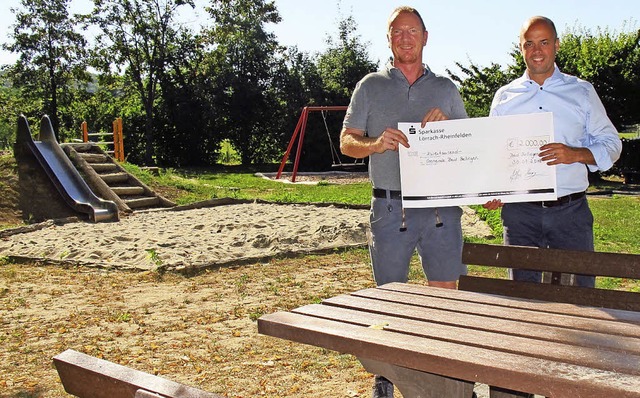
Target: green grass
<point>199,185</point>
<point>617,223</point>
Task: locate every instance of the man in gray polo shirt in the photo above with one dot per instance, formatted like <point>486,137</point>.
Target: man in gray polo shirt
<point>404,91</point>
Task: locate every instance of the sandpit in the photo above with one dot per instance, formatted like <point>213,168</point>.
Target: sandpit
<point>197,238</point>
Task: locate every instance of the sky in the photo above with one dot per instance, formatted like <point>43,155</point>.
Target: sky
<point>461,31</point>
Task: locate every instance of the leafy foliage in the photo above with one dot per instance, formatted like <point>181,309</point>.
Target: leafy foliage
<point>181,92</point>
<point>137,37</point>
<point>611,62</point>
<point>344,63</point>
<point>51,60</point>
<point>479,86</point>
<point>12,104</point>
<point>187,132</point>
<point>245,57</point>
<point>339,69</point>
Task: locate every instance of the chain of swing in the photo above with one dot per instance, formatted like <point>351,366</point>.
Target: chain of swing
<point>336,160</point>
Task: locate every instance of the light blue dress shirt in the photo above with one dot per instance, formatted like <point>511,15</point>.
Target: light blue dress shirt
<point>579,120</point>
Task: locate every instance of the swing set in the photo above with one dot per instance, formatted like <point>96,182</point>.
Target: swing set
<point>300,129</point>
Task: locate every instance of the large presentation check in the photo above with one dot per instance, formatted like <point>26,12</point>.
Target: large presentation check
<point>471,161</point>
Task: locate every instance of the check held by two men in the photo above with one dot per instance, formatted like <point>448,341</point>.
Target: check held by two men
<point>471,161</point>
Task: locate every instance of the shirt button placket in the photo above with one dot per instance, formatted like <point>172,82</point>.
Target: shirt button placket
<point>540,106</point>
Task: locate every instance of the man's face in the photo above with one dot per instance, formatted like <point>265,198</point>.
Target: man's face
<point>539,45</point>
<point>407,38</point>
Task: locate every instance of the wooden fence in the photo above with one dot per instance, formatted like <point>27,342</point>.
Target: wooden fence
<point>116,149</point>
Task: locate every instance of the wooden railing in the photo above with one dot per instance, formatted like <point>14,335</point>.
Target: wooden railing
<point>117,145</point>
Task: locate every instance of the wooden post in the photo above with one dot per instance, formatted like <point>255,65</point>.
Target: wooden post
<point>85,132</point>
<point>120,140</point>
<point>118,145</point>
<point>291,142</point>
<point>305,115</point>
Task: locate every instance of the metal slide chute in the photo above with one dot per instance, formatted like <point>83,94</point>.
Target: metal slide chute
<point>63,173</point>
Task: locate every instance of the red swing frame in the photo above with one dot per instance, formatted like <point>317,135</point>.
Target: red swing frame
<point>300,129</point>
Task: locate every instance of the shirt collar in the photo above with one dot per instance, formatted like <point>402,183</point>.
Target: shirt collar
<point>556,75</point>
<point>393,70</point>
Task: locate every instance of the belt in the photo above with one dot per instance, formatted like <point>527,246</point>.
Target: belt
<point>560,201</point>
<point>382,193</point>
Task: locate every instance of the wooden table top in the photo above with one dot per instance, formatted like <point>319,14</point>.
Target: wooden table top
<point>550,349</point>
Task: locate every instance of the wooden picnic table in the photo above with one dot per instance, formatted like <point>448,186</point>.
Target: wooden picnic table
<point>434,342</point>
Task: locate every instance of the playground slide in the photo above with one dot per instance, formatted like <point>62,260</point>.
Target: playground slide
<point>63,174</point>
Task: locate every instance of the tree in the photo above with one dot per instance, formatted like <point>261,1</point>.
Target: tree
<point>301,80</point>
<point>188,135</point>
<point>51,56</point>
<point>136,38</point>
<point>479,84</point>
<point>12,102</point>
<point>339,68</point>
<point>300,85</point>
<point>344,63</point>
<point>243,63</point>
<point>611,62</point>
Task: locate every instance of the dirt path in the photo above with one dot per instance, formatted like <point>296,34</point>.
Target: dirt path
<point>199,331</point>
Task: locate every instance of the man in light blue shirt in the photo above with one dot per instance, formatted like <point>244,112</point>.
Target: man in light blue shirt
<point>585,139</point>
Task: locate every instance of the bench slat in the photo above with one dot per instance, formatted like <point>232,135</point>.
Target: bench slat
<point>492,312</point>
<point>445,358</point>
<point>617,299</point>
<point>88,377</point>
<point>555,332</point>
<point>571,346</point>
<point>618,265</point>
<point>545,306</point>
<point>556,261</point>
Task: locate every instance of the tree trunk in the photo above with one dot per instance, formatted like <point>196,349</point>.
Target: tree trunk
<point>53,105</point>
<point>148,137</point>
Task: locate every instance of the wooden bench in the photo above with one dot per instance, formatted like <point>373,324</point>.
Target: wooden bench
<point>556,262</point>
<point>88,377</point>
<point>556,265</point>
<point>433,342</point>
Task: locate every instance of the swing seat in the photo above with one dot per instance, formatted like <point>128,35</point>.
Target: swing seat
<point>349,165</point>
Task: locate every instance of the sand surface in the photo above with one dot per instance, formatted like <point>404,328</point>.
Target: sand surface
<point>201,237</point>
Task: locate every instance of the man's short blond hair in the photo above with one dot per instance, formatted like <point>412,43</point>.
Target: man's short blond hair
<point>400,10</point>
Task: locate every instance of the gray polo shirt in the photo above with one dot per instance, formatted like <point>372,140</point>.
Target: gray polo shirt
<point>385,98</point>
